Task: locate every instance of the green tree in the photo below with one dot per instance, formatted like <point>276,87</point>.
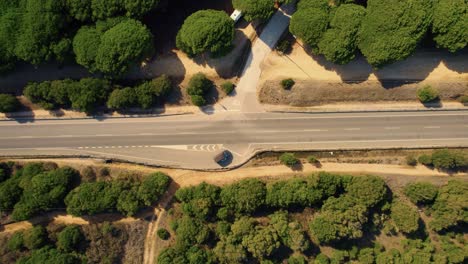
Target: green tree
<point>102,9</point>
<point>137,8</point>
<point>450,206</point>
<point>41,26</point>
<point>385,37</point>
<point>227,252</point>
<point>123,45</point>
<point>122,98</point>
<point>199,85</point>
<point>339,42</point>
<point>10,193</point>
<point>406,218</point>
<point>191,231</point>
<point>309,25</point>
<point>85,46</point>
<point>450,24</point>
<point>368,190</point>
<point>421,192</point>
<point>206,30</point>
<point>35,237</point>
<point>292,193</point>
<point>254,9</point>
<point>16,242</point>
<point>245,196</point>
<point>427,94</point>
<point>261,243</point>
<point>9,26</point>
<point>128,202</point>
<point>89,94</point>
<point>50,256</point>
<point>8,103</point>
<point>153,187</point>
<point>70,238</point>
<point>79,9</point>
<point>320,4</point>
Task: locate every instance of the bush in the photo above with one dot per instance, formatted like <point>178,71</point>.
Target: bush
<point>8,103</point>
<point>227,87</point>
<point>289,159</point>
<point>421,192</point>
<point>70,238</point>
<point>449,159</point>
<point>425,160</point>
<point>16,242</point>
<point>150,92</point>
<point>284,46</point>
<point>313,160</point>
<point>206,30</point>
<point>122,98</point>
<point>464,99</point>
<point>199,85</point>
<point>35,237</point>
<point>163,234</point>
<point>287,84</point>
<point>427,94</point>
<point>411,160</point>
<point>244,197</point>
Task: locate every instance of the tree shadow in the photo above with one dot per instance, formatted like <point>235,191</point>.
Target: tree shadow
<point>435,104</point>
<point>25,114</point>
<point>457,61</point>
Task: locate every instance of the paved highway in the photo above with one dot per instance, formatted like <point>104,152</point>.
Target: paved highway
<point>188,141</point>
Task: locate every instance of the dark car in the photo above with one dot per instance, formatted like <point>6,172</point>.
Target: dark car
<point>223,158</point>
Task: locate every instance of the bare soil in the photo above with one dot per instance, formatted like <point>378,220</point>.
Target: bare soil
<point>321,82</point>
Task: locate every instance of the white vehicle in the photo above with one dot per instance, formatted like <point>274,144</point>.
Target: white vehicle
<point>236,15</point>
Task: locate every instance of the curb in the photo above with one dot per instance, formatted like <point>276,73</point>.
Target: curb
<point>332,111</point>
<point>98,117</point>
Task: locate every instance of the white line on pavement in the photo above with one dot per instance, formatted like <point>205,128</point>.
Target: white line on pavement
<point>431,127</point>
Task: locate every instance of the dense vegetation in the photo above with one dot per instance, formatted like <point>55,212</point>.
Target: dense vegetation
<point>255,222</point>
<point>385,31</point>
<point>445,159</point>
<point>35,188</point>
<point>90,93</point>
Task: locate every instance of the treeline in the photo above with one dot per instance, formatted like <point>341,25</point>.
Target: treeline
<point>253,222</point>
<point>104,36</point>
<point>26,191</point>
<point>337,29</point>
<point>90,93</point>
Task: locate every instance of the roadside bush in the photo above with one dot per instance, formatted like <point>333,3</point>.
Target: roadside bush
<point>199,85</point>
<point>313,160</point>
<point>406,218</point>
<point>289,159</point>
<point>284,46</point>
<point>427,94</point>
<point>464,99</point>
<point>287,84</point>
<point>411,160</point>
<point>425,160</point>
<point>163,234</point>
<point>121,99</point>
<point>8,103</point>
<point>227,87</point>
<point>245,196</point>
<point>152,187</point>
<point>150,92</point>
<point>421,192</point>
<point>89,94</point>
<point>446,159</point>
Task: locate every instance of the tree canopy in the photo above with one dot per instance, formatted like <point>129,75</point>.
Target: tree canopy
<point>254,9</point>
<point>450,24</point>
<point>406,218</point>
<point>392,29</point>
<point>206,30</point>
<point>309,25</point>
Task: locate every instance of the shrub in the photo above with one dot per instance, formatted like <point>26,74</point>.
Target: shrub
<point>449,209</point>
<point>206,30</point>
<point>289,159</point>
<point>421,192</point>
<point>287,84</point>
<point>163,234</point>
<point>122,98</point>
<point>227,87</point>
<point>425,160</point>
<point>244,197</point>
<point>150,92</point>
<point>427,94</point>
<point>464,99</point>
<point>411,160</point>
<point>199,85</point>
<point>8,103</point>
<point>16,242</point>
<point>313,160</point>
<point>35,237</point>
<point>449,159</point>
<point>284,46</point>
<point>70,238</point>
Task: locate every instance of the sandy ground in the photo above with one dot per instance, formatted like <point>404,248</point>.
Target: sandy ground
<point>319,81</point>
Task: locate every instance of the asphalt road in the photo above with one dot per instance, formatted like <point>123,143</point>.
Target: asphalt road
<point>176,137</point>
